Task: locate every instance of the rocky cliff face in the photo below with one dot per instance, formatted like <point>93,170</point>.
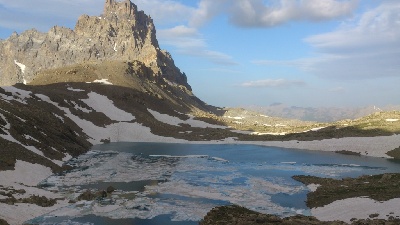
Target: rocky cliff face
<point>120,33</point>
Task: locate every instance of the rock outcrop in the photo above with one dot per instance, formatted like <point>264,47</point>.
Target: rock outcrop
<point>236,215</point>
<point>122,32</point>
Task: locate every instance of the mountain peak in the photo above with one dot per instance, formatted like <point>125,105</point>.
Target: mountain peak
<point>120,33</point>
<point>115,7</point>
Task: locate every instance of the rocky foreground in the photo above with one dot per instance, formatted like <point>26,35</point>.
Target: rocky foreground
<point>236,215</point>
<point>378,187</point>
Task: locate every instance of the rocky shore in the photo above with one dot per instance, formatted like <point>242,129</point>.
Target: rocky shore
<point>236,215</point>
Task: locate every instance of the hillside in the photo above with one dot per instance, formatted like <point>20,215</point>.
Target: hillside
<point>319,114</point>
<point>107,80</point>
<point>61,68</point>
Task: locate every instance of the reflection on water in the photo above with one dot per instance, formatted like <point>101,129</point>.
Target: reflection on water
<point>139,185</point>
<point>163,219</point>
<point>158,183</point>
<point>99,220</point>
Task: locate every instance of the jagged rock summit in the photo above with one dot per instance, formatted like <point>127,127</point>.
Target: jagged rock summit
<point>122,32</point>
<point>115,7</point>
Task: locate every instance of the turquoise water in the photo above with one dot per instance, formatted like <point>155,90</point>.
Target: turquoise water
<point>159,183</point>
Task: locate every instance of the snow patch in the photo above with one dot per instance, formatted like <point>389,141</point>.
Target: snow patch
<point>75,90</point>
<point>25,173</point>
<point>102,81</point>
<point>260,134</point>
<point>175,121</point>
<point>392,120</point>
<point>121,131</point>
<point>200,124</point>
<point>59,117</point>
<point>18,95</point>
<point>9,137</point>
<point>22,68</point>
<point>313,187</point>
<point>77,107</point>
<point>235,117</point>
<point>26,176</point>
<point>102,104</point>
<point>317,128</point>
<point>359,208</point>
<point>20,65</point>
<point>28,137</point>
<point>67,157</point>
<point>8,125</point>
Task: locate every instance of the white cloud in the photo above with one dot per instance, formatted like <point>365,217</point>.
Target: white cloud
<point>207,9</point>
<point>271,83</point>
<point>165,12</point>
<point>375,28</point>
<point>189,41</point>
<point>367,47</point>
<point>256,13</point>
<point>247,13</point>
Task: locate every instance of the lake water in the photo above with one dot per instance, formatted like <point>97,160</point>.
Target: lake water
<point>159,183</point>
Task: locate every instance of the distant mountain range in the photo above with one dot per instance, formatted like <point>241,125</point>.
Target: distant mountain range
<point>322,114</point>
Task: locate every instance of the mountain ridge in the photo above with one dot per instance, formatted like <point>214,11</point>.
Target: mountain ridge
<point>319,114</point>
<point>122,32</point>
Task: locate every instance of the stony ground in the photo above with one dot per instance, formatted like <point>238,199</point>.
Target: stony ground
<point>381,187</point>
<point>236,215</point>
<point>377,124</point>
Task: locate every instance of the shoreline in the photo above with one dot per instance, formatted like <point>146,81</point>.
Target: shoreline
<point>367,144</point>
<point>377,146</point>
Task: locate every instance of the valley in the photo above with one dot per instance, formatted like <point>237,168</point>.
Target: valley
<point>97,124</point>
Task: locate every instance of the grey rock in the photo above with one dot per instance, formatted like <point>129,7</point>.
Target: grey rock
<point>120,33</point>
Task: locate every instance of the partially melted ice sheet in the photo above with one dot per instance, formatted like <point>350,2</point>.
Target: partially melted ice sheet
<point>174,187</point>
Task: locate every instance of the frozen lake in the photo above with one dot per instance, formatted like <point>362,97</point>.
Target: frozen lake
<point>160,183</point>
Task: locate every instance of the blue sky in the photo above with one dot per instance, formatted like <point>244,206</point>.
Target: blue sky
<point>343,53</point>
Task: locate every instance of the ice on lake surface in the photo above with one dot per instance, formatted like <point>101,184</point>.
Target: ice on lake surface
<point>159,183</point>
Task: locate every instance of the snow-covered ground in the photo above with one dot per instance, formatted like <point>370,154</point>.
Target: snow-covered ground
<point>102,104</point>
<point>359,208</point>
<point>175,121</point>
<point>371,146</point>
<point>27,176</point>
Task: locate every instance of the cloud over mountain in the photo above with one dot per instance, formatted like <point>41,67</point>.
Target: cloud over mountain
<point>189,41</point>
<point>273,83</point>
